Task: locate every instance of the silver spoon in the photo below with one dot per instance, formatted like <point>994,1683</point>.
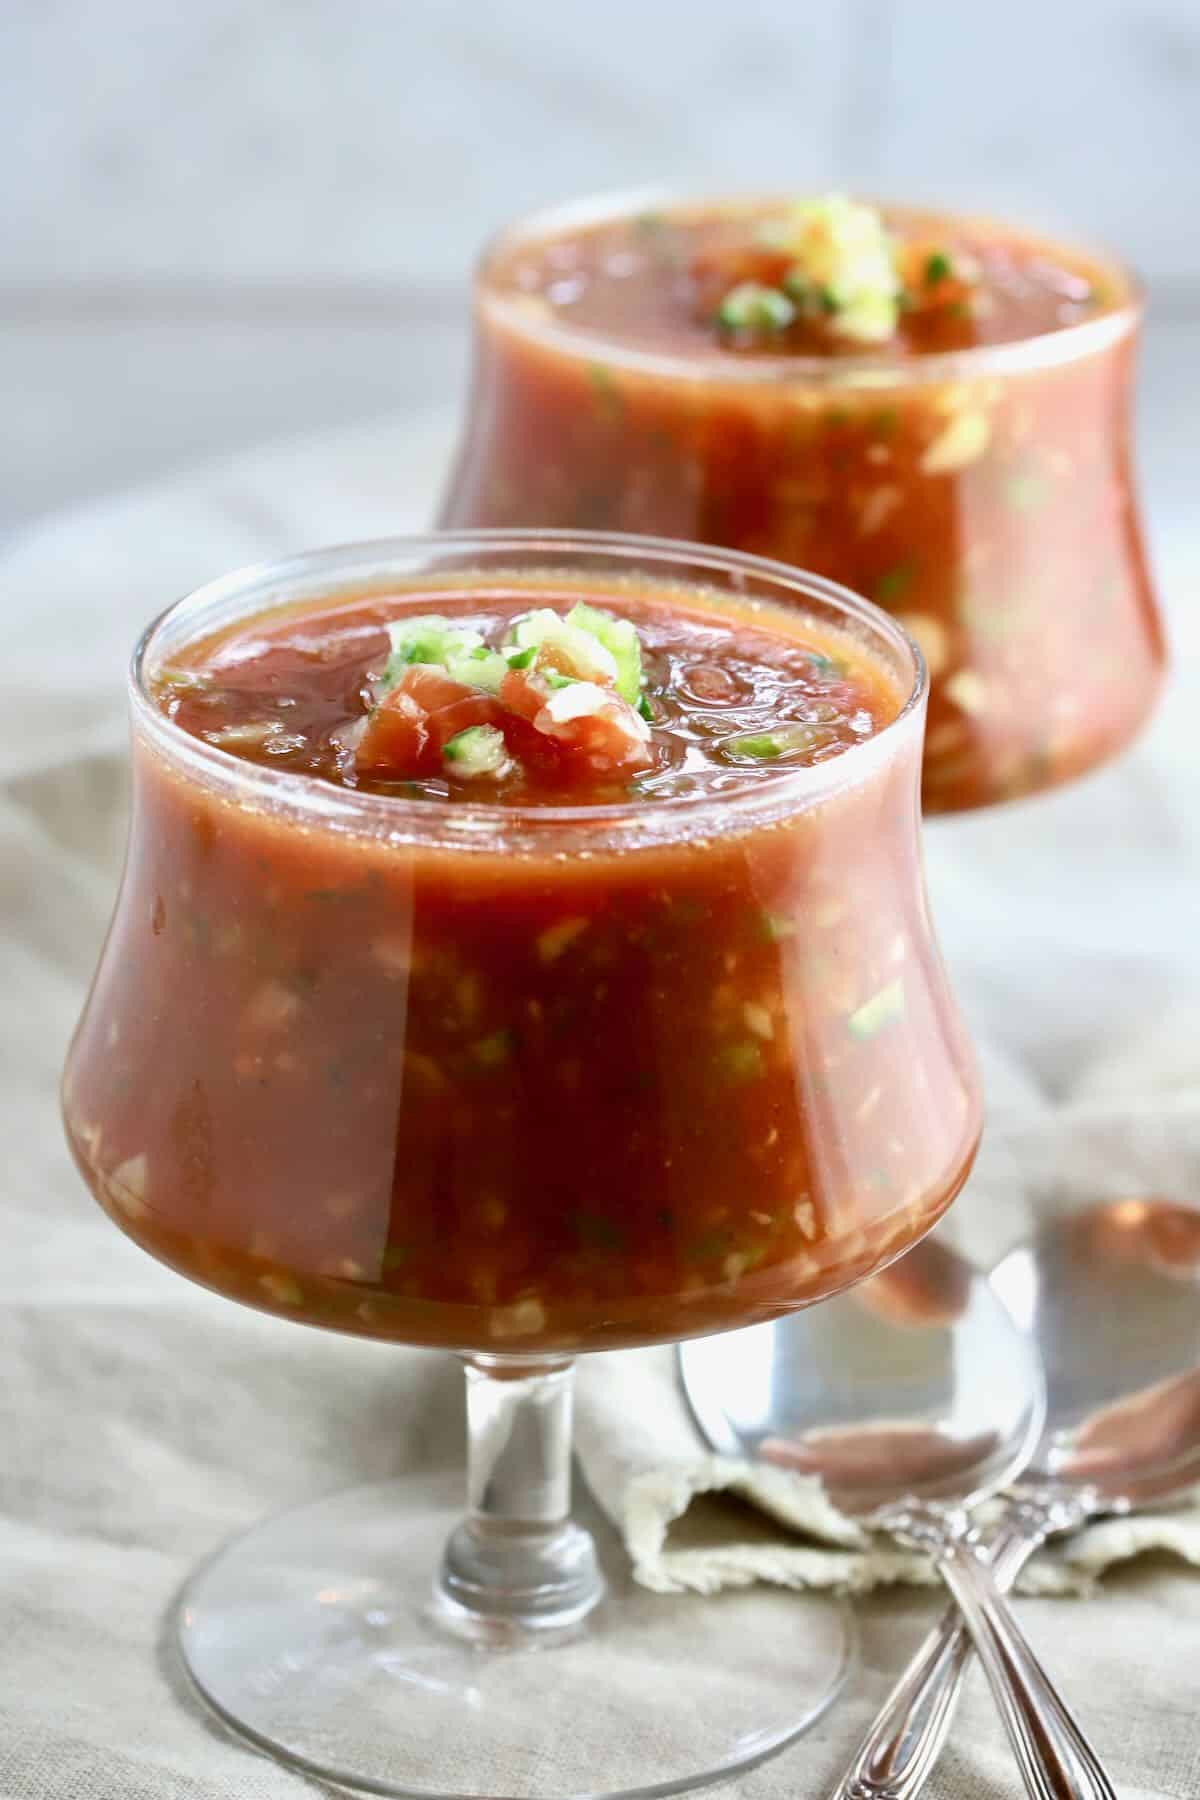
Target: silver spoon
<point>1112,1298</point>
<point>913,1397</point>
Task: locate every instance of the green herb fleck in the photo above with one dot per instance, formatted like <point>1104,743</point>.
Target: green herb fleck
<point>521,659</point>
<point>938,267</point>
<point>774,927</point>
<point>740,1062</point>
<point>646,710</point>
<point>894,583</point>
<point>752,307</point>
<point>1027,492</point>
<point>878,1011</point>
<point>709,1246</point>
<point>598,1233</point>
<point>609,397</point>
<point>827,665</point>
<point>494,1051</point>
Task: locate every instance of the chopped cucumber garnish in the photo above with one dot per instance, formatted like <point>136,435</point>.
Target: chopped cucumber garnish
<point>591,660</point>
<point>752,307</point>
<point>619,637</point>
<point>426,639</point>
<point>843,264</point>
<point>481,668</point>
<point>479,751</point>
<point>765,746</point>
<point>878,1011</point>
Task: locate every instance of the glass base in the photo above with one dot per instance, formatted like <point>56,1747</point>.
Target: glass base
<point>315,1636</point>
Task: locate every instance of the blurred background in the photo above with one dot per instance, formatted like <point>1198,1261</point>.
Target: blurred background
<point>226,222</point>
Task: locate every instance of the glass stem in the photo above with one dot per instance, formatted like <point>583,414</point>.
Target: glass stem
<point>517,1568</point>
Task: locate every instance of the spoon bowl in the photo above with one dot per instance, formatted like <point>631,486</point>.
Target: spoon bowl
<point>916,1385</point>
<point>1112,1298</point>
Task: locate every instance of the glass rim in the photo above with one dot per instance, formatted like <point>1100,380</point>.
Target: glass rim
<point>863,370</point>
<point>355,567</point>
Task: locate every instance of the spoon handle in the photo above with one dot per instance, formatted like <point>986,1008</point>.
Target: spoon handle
<point>902,1746</point>
<point>1055,1759</point>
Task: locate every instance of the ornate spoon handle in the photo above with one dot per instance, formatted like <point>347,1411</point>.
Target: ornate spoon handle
<point>1055,1759</point>
<point>909,1732</point>
<point>904,1742</point>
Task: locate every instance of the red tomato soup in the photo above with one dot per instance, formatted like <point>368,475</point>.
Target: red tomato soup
<point>932,410</point>
<point>524,964</point>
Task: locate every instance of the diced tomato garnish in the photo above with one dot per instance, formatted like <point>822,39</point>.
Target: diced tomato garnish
<point>522,693</point>
<point>602,740</point>
<point>431,687</point>
<point>396,740</point>
<point>406,731</point>
<point>475,709</point>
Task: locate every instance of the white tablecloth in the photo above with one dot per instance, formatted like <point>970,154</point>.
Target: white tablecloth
<point>141,1420</point>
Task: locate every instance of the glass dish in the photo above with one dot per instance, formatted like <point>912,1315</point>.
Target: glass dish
<point>252,1095</point>
<point>984,495</point>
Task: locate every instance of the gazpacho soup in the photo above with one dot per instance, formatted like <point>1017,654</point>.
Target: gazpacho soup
<point>931,409</point>
<point>515,960</point>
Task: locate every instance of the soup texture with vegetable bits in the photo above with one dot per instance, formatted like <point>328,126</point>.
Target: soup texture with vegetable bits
<point>932,410</point>
<point>523,963</point>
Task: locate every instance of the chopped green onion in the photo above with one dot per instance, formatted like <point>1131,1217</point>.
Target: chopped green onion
<point>520,659</point>
<point>645,708</point>
<point>752,307</point>
<point>480,750</point>
<point>938,267</point>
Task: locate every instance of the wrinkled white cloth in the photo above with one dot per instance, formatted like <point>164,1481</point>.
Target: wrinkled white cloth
<point>141,1420</point>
